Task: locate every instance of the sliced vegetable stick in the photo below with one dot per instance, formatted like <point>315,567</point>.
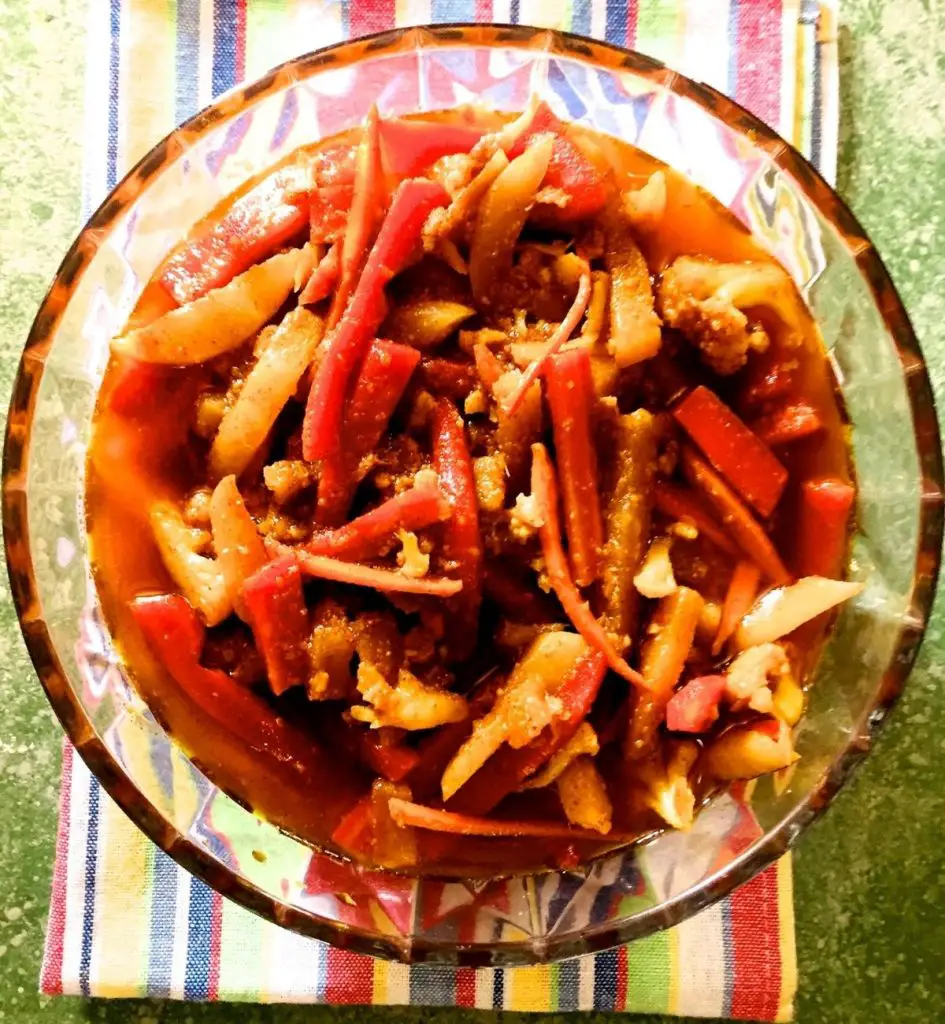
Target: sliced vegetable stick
<point>545,492</point>
<point>747,751</point>
<point>675,501</point>
<point>275,605</point>
<point>408,146</point>
<point>584,797</point>
<point>626,520</point>
<point>740,596</point>
<point>792,422</point>
<point>270,384</point>
<point>395,243</point>
<point>740,456</point>
<point>323,278</point>
<point>501,216</point>
<point>199,578</point>
<point>746,530</point>
<point>563,331</point>
<point>781,611</point>
<point>462,544</point>
<point>236,540</point>
<point>385,580</point>
<point>411,815</point>
<point>360,538</point>
<point>570,390</point>
<point>217,322</point>
<point>441,224</point>
<point>634,326</point>
<point>365,201</point>
<point>695,707</point>
<point>662,661</point>
<point>254,226</point>
<point>823,526</point>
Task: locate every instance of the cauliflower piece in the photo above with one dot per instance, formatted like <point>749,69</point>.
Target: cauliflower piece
<point>412,561</point>
<point>706,301</point>
<point>524,519</point>
<point>197,508</point>
<point>667,787</point>
<point>584,797</point>
<point>200,578</point>
<point>655,578</point>
<point>528,708</point>
<point>286,479</point>
<point>408,705</point>
<point>645,207</point>
<point>475,403</point>
<point>752,674</point>
<point>584,741</point>
<point>490,473</point>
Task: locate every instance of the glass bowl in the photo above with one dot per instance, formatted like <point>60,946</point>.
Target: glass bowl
<point>879,366</point>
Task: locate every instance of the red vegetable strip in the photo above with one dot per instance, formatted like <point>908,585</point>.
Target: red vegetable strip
<point>747,531</point>
<point>354,829</point>
<point>362,537</point>
<point>545,492</point>
<point>740,596</point>
<point>674,501</point>
<point>275,604</point>
<point>365,201</point>
<point>328,212</point>
<point>823,527</point>
<point>257,224</point>
<point>462,545</point>
<point>569,169</point>
<point>407,146</point>
<point>381,382</point>
<point>792,422</point>
<point>176,636</point>
<point>570,390</point>
<point>412,202</point>
<point>563,331</point>
<point>695,707</point>
<point>743,459</point>
<point>323,278</point>
<point>410,815</point>
<point>385,580</point>
<point>508,768</point>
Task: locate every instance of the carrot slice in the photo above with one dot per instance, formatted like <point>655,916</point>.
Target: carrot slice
<point>545,493</point>
<point>410,815</point>
<point>792,422</point>
<point>740,596</point>
<point>322,279</point>
<point>570,390</point>
<point>673,500</point>
<point>743,526</point>
<point>366,576</point>
<point>563,331</point>
<point>276,609</point>
<point>740,456</point>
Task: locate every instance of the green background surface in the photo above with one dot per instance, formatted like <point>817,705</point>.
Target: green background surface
<point>870,877</point>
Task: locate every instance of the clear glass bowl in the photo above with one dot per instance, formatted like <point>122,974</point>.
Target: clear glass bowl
<point>879,366</point>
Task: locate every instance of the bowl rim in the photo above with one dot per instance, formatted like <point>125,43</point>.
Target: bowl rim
<point>109,772</point>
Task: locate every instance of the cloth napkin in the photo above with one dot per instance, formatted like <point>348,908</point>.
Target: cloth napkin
<point>125,920</point>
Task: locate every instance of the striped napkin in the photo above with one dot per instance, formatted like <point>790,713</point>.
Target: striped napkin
<point>125,920</point>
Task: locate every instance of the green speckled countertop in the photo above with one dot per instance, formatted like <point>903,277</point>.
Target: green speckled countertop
<point>870,877</point>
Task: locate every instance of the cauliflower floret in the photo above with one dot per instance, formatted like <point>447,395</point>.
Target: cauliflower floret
<point>412,561</point>
<point>286,479</point>
<point>646,206</point>
<point>706,301</point>
<point>655,578</point>
<point>667,789</point>
<point>408,705</point>
<point>525,519</point>
<point>752,673</point>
